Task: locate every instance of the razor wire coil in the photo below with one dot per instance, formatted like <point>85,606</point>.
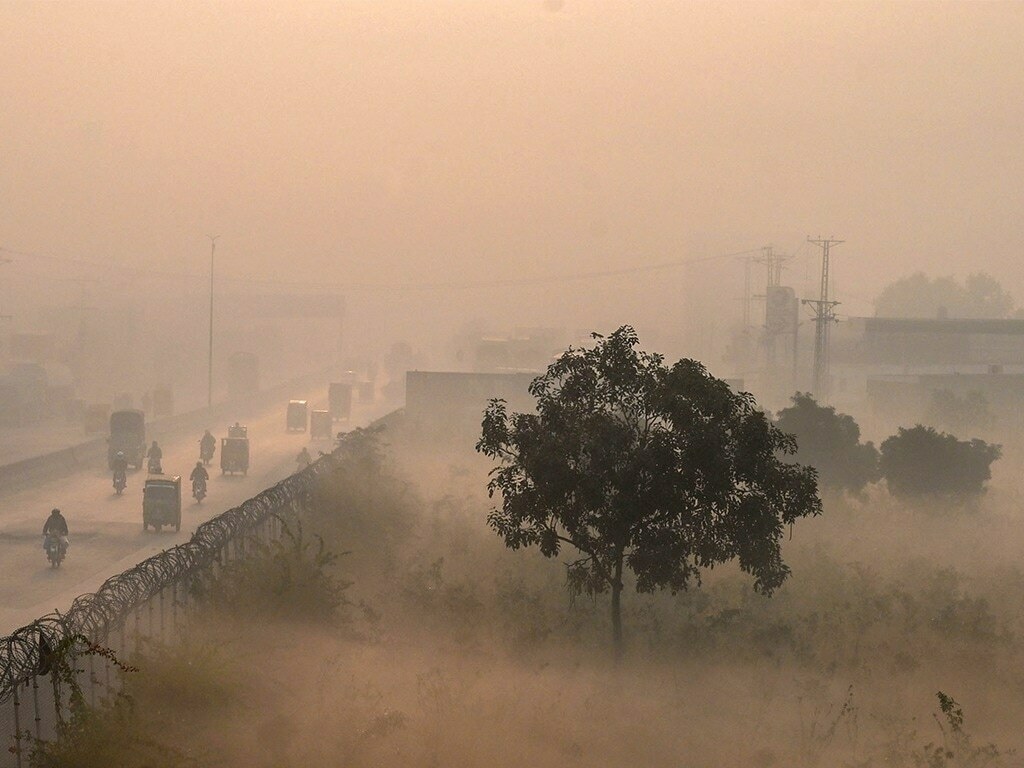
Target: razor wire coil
<point>95,615</point>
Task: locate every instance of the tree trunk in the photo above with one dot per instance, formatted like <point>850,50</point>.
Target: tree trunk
<point>617,611</point>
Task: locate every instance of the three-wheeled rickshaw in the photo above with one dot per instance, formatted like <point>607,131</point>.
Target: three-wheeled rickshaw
<point>161,502</point>
<point>321,425</point>
<point>234,455</point>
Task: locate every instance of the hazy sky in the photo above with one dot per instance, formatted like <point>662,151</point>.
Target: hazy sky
<point>395,142</point>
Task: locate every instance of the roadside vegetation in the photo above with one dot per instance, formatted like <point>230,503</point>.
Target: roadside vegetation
<point>393,626</point>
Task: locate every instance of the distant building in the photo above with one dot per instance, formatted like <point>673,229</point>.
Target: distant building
<point>897,364</point>
<point>448,403</point>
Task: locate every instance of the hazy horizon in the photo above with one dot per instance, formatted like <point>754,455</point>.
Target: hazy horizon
<point>381,144</point>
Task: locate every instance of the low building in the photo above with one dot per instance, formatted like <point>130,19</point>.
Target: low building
<point>449,403</point>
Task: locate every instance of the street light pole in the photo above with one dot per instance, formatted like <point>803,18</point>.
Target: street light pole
<point>209,390</point>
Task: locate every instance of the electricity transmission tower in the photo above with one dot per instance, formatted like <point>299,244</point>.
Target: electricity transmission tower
<point>824,316</point>
<point>773,263</point>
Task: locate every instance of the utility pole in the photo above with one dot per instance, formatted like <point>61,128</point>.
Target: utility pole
<point>209,389</point>
<point>747,263</point>
<point>4,261</point>
<point>773,263</point>
<point>824,315</point>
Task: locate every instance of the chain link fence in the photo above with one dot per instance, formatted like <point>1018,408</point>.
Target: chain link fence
<point>152,600</point>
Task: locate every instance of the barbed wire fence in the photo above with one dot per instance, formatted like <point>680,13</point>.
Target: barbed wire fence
<point>153,600</point>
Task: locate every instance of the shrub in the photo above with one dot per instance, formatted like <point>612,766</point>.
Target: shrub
<point>830,442</point>
<point>362,499</point>
<point>921,461</point>
<point>287,578</point>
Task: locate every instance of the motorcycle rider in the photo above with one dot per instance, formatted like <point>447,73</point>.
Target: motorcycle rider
<point>120,467</point>
<point>207,445</point>
<point>154,454</point>
<point>56,525</point>
<point>304,459</point>
<point>199,475</point>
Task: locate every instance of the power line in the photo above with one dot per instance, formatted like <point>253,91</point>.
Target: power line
<point>427,286</point>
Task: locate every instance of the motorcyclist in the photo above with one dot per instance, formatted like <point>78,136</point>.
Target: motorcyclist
<point>304,459</point>
<point>154,454</point>
<point>120,467</point>
<point>199,477</point>
<point>56,525</point>
<point>207,445</point>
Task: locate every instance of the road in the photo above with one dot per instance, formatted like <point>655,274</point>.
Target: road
<point>106,529</point>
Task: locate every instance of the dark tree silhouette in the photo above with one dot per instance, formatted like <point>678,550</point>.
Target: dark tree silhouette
<point>829,442</point>
<point>921,461</point>
<point>979,296</point>
<point>662,471</point>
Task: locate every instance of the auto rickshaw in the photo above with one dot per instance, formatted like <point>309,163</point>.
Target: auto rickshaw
<point>234,455</point>
<point>321,426</point>
<point>161,502</point>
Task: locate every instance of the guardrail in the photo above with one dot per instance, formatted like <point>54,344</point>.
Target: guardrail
<point>92,453</point>
<point>151,599</point>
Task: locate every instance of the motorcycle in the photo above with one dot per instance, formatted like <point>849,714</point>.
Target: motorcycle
<point>120,483</point>
<point>153,466</point>
<point>206,452</point>
<point>199,490</point>
<point>56,548</point>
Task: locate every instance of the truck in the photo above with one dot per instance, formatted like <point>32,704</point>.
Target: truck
<point>161,502</point>
<point>339,400</point>
<point>127,436</point>
<point>298,415</point>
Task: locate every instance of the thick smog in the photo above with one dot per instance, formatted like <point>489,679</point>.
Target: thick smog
<point>549,383</point>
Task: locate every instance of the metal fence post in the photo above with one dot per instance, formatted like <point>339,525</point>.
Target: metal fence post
<point>35,706</point>
<point>17,726</point>
<point>92,679</point>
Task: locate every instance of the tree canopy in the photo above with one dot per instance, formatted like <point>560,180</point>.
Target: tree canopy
<point>829,442</point>
<point>922,461</point>
<point>637,466</point>
<point>980,296</point>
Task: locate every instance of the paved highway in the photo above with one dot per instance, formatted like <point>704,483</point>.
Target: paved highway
<point>106,529</point>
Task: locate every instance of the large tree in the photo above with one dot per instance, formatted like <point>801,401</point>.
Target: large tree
<point>829,442</point>
<point>659,470</point>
